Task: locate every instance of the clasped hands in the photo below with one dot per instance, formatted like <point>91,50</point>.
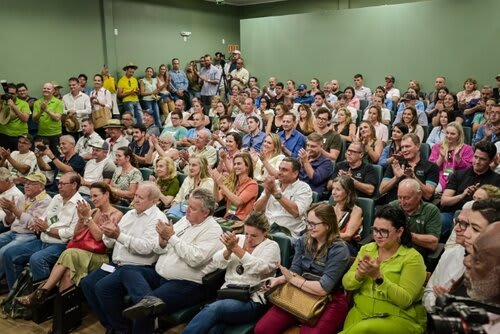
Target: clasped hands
<point>368,267</point>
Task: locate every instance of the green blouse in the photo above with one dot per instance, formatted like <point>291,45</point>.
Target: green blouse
<point>399,295</point>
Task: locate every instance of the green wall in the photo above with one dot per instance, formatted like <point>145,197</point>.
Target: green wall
<point>417,40</point>
<point>55,39</point>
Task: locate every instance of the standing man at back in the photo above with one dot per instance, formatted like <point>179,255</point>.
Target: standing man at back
<point>128,91</point>
<point>209,77</point>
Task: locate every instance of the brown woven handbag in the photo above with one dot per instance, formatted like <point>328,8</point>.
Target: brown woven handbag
<point>306,307</point>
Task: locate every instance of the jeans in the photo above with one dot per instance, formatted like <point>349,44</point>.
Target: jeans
<point>10,239</point>
<point>105,292</point>
<point>153,105</point>
<point>136,108</point>
<point>214,317</point>
<point>41,256</point>
<point>176,294</point>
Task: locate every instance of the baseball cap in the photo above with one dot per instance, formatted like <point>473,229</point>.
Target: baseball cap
<point>100,144</point>
<point>408,96</point>
<point>36,177</point>
<point>497,77</point>
<point>301,87</point>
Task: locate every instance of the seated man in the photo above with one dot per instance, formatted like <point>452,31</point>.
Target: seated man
<point>302,96</point>
<point>8,190</point>
<point>255,137</point>
<point>56,226</point>
<point>489,131</point>
<point>140,145</point>
<point>69,161</point>
<point>98,168</point>
<point>285,200</point>
<point>450,267</point>
<point>186,251</point>
<point>425,172</point>
<point>20,214</point>
<point>331,140</point>
<point>133,241</point>
<point>291,139</point>
<point>115,138</point>
<point>201,147</point>
<point>21,162</point>
<point>316,170</point>
<point>225,127</point>
<point>463,183</point>
<point>362,173</point>
<point>424,220</point>
<point>240,123</point>
<point>149,121</point>
<point>192,133</point>
<point>88,134</point>
<point>176,129</point>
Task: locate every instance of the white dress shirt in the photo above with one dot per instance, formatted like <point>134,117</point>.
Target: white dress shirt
<point>63,217</point>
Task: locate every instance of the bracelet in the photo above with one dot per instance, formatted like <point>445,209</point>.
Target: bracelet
<point>86,220</point>
<point>303,283</point>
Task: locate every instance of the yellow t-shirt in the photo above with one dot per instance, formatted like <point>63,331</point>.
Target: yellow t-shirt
<point>109,84</point>
<point>128,85</point>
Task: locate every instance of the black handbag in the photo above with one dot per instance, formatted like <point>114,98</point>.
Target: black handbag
<point>240,292</point>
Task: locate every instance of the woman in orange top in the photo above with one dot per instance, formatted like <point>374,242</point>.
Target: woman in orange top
<point>239,188</point>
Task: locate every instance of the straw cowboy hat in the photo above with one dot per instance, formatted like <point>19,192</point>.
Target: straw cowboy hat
<point>130,65</point>
<point>113,123</point>
<point>6,114</point>
<point>71,123</point>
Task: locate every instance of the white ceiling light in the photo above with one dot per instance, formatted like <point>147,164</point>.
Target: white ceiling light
<point>242,2</point>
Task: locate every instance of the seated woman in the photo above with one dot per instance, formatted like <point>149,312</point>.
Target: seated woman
<point>126,177</point>
<point>451,155</point>
<point>450,102</point>
<point>167,181</point>
<point>281,109</point>
<point>375,117</point>
<point>268,161</point>
<point>387,278</point>
<point>239,188</point>
<point>305,125</point>
<point>393,149</point>
<point>481,118</point>
<point>219,111</point>
<point>410,119</point>
<point>266,113</point>
<point>345,125</point>
<point>198,177</point>
<point>248,259</point>
<point>75,263</point>
<point>349,215</point>
<point>352,100</point>
<point>388,102</point>
<point>228,152</point>
<point>164,146</point>
<point>320,260</point>
<point>437,134</point>
<point>435,107</point>
<point>373,146</point>
<point>468,98</point>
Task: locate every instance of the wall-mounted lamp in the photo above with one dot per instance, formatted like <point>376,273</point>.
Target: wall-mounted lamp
<point>185,35</point>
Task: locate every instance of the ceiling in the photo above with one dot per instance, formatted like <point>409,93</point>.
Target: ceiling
<point>245,2</point>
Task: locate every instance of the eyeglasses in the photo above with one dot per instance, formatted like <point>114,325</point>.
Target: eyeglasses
<point>60,184</point>
<point>462,223</point>
<point>172,118</point>
<point>383,233</point>
<point>322,119</point>
<point>312,225</point>
<point>352,151</point>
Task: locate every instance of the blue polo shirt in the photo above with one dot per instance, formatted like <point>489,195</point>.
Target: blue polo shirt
<point>294,143</point>
<point>322,173</point>
<point>306,99</point>
<point>254,142</point>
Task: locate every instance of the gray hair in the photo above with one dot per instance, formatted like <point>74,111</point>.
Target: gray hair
<point>209,134</point>
<point>68,138</point>
<point>206,197</point>
<point>412,184</point>
<point>154,191</point>
<point>169,136</point>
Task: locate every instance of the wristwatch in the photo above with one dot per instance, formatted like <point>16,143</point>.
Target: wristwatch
<point>278,196</point>
<point>47,230</point>
<point>379,280</point>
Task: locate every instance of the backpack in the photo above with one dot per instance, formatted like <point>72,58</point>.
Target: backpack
<point>22,287</point>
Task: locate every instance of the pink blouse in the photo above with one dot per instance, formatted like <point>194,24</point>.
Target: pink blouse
<point>452,164</point>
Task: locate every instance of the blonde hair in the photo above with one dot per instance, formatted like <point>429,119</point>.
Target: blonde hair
<point>232,180</point>
<point>347,113</point>
<point>460,144</point>
<point>171,171</point>
<point>203,165</point>
<point>276,142</point>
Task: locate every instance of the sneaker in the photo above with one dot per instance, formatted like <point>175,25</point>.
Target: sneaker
<point>148,306</point>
